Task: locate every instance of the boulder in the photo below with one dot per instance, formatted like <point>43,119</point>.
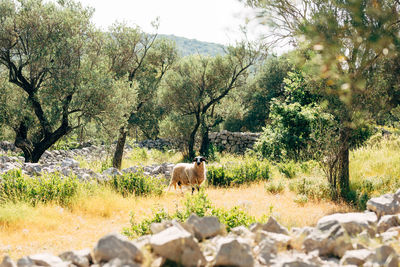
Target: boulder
<point>384,205</point>
<point>356,257</point>
<point>385,256</point>
<point>116,246</point>
<point>46,259</point>
<point>273,226</point>
<point>7,262</point>
<point>230,252</point>
<point>280,241</point>
<point>69,163</point>
<point>353,222</point>
<point>177,245</point>
<point>205,227</point>
<point>80,258</point>
<point>388,221</point>
<point>329,238</point>
<point>111,172</point>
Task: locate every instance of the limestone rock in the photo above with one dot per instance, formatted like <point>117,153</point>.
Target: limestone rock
<point>384,205</point>
<point>116,246</point>
<point>230,252</point>
<point>112,172</point>
<point>353,222</point>
<point>273,226</point>
<point>7,262</point>
<point>178,245</point>
<point>46,259</point>
<point>69,163</point>
<point>80,258</point>
<point>356,257</point>
<point>388,221</point>
<point>205,227</point>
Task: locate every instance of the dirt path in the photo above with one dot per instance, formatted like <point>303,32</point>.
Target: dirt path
<point>55,230</point>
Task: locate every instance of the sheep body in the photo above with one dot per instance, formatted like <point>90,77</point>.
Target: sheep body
<point>193,174</point>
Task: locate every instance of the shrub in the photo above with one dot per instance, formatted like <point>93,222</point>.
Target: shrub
<point>289,169</point>
<point>137,184</point>
<point>312,188</point>
<point>198,204</point>
<point>235,174</point>
<point>274,187</point>
<point>301,199</point>
<point>48,188</point>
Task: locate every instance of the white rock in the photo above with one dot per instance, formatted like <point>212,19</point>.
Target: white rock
<point>112,172</point>
<point>178,245</point>
<point>273,226</point>
<point>388,221</point>
<point>356,257</point>
<point>205,227</point>
<point>69,163</point>
<point>384,205</point>
<point>80,258</point>
<point>116,246</point>
<point>230,252</point>
<point>353,222</point>
<point>7,262</point>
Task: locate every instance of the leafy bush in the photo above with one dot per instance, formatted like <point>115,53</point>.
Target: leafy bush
<point>48,188</point>
<point>235,174</point>
<point>301,199</point>
<point>312,188</point>
<point>289,169</point>
<point>198,204</point>
<point>274,187</point>
<point>137,184</point>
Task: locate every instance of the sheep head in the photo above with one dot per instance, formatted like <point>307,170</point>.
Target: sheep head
<point>199,159</point>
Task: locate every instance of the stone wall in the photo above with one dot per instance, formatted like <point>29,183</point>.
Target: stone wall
<point>233,142</point>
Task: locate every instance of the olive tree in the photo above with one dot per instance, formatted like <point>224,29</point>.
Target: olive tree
<point>197,84</point>
<point>49,75</point>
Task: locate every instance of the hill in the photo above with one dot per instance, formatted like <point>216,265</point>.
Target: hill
<point>192,46</point>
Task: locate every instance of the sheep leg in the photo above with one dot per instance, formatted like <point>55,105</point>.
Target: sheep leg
<point>198,188</point>
<point>192,190</point>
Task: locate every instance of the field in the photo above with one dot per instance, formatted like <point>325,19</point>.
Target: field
<point>55,226</point>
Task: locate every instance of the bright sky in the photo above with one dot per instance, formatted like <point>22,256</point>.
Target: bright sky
<point>215,21</point>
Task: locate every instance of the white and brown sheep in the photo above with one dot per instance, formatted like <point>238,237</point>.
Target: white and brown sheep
<point>193,174</point>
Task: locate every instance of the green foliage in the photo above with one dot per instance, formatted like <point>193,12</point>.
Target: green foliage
<point>235,174</point>
<point>15,187</point>
<point>274,186</point>
<point>137,184</point>
<point>196,204</point>
<point>312,188</point>
<point>289,169</point>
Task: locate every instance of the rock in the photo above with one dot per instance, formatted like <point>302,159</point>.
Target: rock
<point>266,252</point>
<point>388,221</point>
<point>356,257</point>
<point>280,241</point>
<point>121,263</point>
<point>130,170</point>
<point>80,258</point>
<point>112,172</point>
<point>7,262</point>
<point>353,222</point>
<point>384,205</point>
<point>205,227</point>
<point>273,226</point>
<point>329,238</point>
<point>46,259</point>
<point>32,168</point>
<point>178,245</point>
<point>69,163</point>
<point>25,262</point>
<point>230,252</point>
<point>116,246</point>
<point>385,256</point>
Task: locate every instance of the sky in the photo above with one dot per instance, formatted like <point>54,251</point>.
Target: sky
<point>216,21</point>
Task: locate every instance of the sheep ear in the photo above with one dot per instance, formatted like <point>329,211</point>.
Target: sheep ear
<point>203,159</point>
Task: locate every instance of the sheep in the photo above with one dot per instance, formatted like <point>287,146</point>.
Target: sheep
<point>189,174</point>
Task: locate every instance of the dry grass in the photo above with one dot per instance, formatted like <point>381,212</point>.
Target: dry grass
<point>50,228</point>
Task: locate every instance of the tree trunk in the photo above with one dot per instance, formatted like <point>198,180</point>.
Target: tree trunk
<point>119,149</point>
<point>192,138</point>
<point>343,161</point>
<point>205,142</point>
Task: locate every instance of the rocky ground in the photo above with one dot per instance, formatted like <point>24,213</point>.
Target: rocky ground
<point>63,162</point>
<point>369,238</point>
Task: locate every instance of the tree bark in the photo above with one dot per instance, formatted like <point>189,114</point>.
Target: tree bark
<point>205,142</point>
<point>343,161</point>
<point>119,149</point>
<point>192,138</point>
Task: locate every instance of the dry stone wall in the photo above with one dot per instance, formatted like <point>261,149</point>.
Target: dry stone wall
<point>233,142</point>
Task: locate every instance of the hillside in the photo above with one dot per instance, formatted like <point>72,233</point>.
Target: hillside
<point>192,46</point>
